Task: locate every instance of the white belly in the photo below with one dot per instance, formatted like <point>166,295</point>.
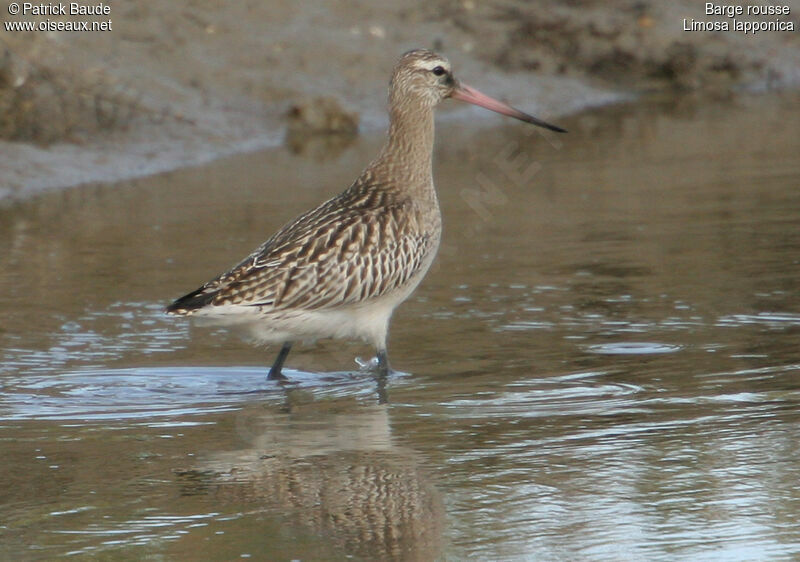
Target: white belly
<point>367,321</point>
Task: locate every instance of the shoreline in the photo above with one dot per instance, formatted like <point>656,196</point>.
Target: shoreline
<point>174,87</point>
<point>131,156</point>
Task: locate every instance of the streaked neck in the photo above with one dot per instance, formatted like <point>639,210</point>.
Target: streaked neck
<point>408,153</point>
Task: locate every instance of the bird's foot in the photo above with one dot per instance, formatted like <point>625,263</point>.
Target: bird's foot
<point>276,375</point>
<point>378,365</point>
<point>367,364</point>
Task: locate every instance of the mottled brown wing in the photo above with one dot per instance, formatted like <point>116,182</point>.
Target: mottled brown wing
<point>332,255</point>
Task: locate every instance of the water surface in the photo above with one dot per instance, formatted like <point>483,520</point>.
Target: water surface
<point>602,364</point>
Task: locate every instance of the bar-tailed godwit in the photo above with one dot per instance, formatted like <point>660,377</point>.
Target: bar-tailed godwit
<point>342,268</point>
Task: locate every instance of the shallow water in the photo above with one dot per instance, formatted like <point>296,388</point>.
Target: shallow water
<point>602,364</point>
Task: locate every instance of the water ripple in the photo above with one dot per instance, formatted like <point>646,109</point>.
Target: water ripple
<point>142,392</point>
<point>99,336</point>
<point>768,319</point>
<point>632,348</point>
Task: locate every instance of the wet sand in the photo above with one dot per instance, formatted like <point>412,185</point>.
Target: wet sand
<point>601,365</point>
<point>176,85</point>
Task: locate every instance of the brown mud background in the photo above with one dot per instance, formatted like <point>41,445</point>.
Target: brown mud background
<point>179,83</point>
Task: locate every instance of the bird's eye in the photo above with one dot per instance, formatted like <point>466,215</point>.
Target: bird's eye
<point>438,71</point>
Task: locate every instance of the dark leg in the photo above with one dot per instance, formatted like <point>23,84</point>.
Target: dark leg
<point>275,370</point>
<point>383,363</point>
<point>382,374</point>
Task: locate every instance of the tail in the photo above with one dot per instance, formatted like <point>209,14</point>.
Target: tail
<point>192,302</point>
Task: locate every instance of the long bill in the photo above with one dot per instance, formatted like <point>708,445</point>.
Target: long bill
<point>471,95</point>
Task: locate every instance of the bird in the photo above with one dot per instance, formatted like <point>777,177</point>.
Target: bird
<point>341,269</point>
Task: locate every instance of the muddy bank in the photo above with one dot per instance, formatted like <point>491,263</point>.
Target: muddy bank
<point>173,85</point>
<point>639,45</point>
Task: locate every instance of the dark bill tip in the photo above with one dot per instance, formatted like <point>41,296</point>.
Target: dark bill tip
<point>471,95</point>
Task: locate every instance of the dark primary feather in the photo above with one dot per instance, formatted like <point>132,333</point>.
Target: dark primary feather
<point>193,301</point>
